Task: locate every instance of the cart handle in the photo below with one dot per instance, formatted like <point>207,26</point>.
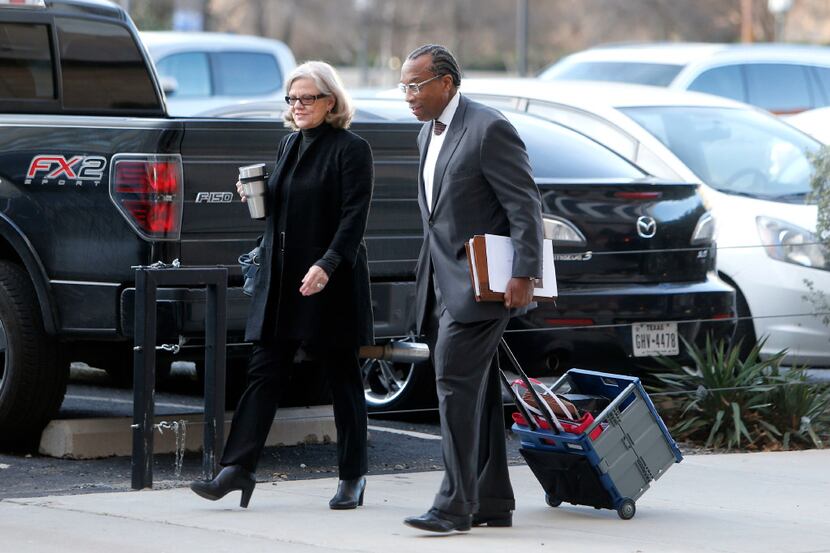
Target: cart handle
<point>615,403</point>
<point>554,426</point>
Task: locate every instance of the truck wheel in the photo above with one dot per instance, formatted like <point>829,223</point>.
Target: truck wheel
<point>392,386</point>
<point>32,382</point>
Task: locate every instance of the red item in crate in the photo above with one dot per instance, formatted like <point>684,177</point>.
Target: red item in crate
<point>573,427</point>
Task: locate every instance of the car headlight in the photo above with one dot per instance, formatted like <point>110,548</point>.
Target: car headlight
<point>790,243</point>
<point>562,232</point>
<point>704,232</point>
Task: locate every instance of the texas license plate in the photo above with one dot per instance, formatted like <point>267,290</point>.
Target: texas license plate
<point>654,339</point>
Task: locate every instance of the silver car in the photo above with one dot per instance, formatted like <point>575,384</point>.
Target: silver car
<point>781,78</point>
<point>202,71</point>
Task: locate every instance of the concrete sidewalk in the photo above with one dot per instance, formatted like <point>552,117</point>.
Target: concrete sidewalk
<point>759,502</point>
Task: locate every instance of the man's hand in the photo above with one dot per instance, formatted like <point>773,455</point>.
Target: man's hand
<point>519,292</point>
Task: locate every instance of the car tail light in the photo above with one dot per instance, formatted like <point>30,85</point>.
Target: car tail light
<point>704,232</point>
<point>569,322</point>
<point>638,195</point>
<point>148,191</point>
<point>562,232</point>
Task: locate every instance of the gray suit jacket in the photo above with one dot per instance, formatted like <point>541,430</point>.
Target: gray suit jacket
<point>482,184</point>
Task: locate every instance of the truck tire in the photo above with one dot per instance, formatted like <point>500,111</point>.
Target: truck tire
<point>32,382</point>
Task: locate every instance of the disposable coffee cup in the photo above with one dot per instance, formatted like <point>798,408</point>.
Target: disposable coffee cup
<point>252,178</point>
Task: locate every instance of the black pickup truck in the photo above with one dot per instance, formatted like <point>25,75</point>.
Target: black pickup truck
<point>95,179</point>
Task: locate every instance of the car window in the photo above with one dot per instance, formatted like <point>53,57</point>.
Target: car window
<point>102,67</point>
<point>191,71</point>
<point>739,151</point>
<point>823,75</point>
<point>25,62</point>
<point>726,81</point>
<point>778,87</point>
<point>559,153</point>
<point>246,74</point>
<point>655,74</point>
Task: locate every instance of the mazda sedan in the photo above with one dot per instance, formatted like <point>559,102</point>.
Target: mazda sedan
<point>634,255</point>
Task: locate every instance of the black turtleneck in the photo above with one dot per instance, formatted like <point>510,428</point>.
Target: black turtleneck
<point>331,259</point>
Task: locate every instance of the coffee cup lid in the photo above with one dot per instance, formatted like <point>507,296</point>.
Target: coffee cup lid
<point>248,171</point>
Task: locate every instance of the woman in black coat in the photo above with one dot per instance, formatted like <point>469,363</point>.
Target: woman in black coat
<point>312,288</point>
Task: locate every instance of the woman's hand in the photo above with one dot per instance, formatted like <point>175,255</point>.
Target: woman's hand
<point>240,192</point>
<point>314,281</point>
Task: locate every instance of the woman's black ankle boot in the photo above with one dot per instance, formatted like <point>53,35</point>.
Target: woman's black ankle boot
<point>229,479</point>
<point>349,494</point>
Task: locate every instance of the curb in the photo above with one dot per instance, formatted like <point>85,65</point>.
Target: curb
<point>96,438</point>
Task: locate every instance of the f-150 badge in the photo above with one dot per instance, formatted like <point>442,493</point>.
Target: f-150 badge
<point>214,197</point>
<point>60,170</point>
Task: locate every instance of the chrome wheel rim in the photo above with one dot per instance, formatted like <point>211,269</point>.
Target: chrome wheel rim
<point>385,381</point>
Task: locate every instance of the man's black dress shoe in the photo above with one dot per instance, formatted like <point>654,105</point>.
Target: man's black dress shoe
<point>439,521</point>
<point>503,519</point>
<point>349,494</point>
<point>229,479</point>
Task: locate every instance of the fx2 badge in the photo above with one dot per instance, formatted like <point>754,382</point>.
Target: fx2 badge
<point>60,170</point>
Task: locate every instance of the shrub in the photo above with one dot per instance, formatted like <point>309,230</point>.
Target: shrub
<point>749,403</point>
<point>727,394</point>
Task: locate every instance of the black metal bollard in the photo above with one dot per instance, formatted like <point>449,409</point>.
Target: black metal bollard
<point>147,281</point>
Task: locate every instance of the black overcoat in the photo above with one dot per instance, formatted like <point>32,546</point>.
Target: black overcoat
<point>328,205</point>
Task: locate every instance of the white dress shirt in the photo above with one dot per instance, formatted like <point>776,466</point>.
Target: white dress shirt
<point>434,147</point>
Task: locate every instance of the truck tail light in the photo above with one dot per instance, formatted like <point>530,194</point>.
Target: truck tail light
<point>148,191</point>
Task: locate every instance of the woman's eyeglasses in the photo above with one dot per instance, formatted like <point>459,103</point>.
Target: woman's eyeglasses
<point>415,88</point>
<point>305,99</point>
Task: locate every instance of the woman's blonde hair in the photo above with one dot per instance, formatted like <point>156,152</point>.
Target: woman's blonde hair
<point>328,82</point>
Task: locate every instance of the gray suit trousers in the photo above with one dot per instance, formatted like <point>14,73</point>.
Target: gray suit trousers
<point>476,479</point>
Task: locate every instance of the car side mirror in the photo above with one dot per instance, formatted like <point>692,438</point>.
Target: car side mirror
<point>169,85</point>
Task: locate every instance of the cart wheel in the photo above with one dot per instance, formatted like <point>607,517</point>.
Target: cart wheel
<point>626,509</point>
<point>551,501</point>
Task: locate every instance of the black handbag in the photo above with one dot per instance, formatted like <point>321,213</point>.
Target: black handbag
<point>249,263</point>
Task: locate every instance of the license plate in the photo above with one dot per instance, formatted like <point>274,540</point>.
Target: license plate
<point>654,339</point>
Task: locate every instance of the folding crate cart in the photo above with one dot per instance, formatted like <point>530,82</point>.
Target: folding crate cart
<point>609,469</point>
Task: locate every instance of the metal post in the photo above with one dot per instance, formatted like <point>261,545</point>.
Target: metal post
<point>215,338</point>
<point>144,377</point>
<point>147,280</point>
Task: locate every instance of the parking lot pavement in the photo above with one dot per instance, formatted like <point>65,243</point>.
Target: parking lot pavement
<point>759,502</point>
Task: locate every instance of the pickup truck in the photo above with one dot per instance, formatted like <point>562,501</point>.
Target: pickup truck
<point>96,178</point>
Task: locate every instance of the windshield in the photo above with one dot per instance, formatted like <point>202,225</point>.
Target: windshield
<point>737,151</point>
<point>655,74</point>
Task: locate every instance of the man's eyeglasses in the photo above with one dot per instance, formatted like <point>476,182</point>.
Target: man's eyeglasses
<point>415,88</point>
<point>305,99</point>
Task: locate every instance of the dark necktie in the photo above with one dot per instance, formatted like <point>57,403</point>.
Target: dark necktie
<point>438,127</point>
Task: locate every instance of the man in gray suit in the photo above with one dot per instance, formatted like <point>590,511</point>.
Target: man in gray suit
<point>474,178</point>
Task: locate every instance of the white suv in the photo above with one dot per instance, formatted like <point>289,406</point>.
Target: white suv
<point>781,78</point>
<point>203,71</point>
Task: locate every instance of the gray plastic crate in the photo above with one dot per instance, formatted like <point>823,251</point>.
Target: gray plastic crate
<point>633,449</point>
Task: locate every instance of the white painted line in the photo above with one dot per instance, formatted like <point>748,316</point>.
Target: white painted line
<point>130,402</point>
<point>421,435</point>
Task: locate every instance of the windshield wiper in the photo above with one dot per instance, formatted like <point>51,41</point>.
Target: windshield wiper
<point>738,193</point>
<point>790,196</point>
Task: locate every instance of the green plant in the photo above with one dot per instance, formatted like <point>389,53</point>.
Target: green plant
<point>728,393</point>
<point>750,403</point>
<point>799,410</point>
<point>820,192</point>
<point>820,195</point>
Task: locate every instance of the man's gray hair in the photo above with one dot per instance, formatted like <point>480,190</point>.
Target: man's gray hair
<point>443,62</point>
<point>328,82</point>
